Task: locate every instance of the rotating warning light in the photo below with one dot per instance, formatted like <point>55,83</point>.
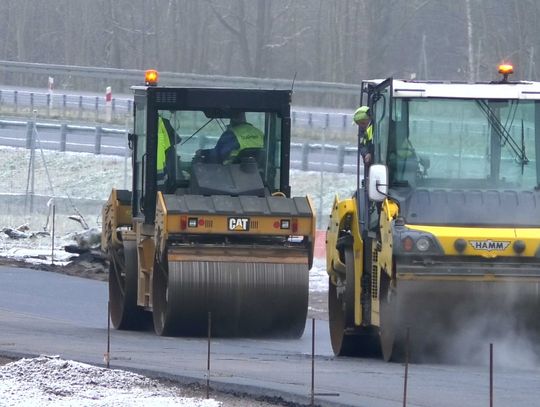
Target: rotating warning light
<point>151,77</point>
<point>506,69</point>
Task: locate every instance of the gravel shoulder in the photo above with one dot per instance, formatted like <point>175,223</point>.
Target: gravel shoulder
<point>199,392</point>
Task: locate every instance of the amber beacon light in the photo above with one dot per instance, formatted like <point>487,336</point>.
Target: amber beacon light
<point>151,77</point>
<point>505,70</point>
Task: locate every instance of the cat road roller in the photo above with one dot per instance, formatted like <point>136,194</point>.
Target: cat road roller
<point>199,237</point>
<point>437,253</point>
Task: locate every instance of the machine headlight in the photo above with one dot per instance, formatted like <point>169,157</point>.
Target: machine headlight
<point>408,241</point>
<point>422,244</point>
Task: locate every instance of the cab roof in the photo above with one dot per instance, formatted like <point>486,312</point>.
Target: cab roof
<point>462,90</point>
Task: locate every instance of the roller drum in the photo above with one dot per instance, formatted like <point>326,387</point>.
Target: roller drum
<point>245,299</point>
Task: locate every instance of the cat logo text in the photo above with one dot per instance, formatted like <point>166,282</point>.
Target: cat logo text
<point>239,224</point>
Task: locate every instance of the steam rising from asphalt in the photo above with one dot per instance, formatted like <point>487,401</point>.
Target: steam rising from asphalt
<point>457,323</point>
<point>513,347</point>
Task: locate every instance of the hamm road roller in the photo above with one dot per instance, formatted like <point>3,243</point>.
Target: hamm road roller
<point>439,246</point>
<point>203,234</point>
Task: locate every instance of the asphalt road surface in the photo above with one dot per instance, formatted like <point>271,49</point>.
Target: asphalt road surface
<point>49,313</point>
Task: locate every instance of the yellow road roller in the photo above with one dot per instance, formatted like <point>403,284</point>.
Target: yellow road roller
<point>209,231</point>
<point>437,252</point>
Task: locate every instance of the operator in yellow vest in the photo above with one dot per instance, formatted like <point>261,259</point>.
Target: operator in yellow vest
<point>239,135</point>
<point>362,119</point>
<point>166,133</point>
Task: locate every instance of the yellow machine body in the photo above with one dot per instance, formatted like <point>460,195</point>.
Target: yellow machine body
<point>200,238</point>
<point>441,241</point>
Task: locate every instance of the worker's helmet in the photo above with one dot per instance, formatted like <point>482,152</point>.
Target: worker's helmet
<point>362,113</point>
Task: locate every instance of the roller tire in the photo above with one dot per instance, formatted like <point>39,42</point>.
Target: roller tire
<point>341,312</point>
<point>125,314</point>
<point>160,306</point>
<point>392,343</point>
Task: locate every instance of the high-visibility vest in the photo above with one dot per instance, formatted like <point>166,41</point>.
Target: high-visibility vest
<point>163,144</point>
<point>369,134</point>
<point>248,136</point>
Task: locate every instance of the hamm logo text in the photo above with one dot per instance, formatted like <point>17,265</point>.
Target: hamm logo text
<point>489,245</point>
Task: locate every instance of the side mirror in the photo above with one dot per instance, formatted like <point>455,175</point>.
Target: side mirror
<point>378,182</point>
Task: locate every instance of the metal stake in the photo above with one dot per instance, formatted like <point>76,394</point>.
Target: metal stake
<point>312,361</point>
<point>108,353</point>
<point>52,235</point>
<point>406,369</point>
<point>491,375</point>
<point>29,196</point>
<point>208,358</point>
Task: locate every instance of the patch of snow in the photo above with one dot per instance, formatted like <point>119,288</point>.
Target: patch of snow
<point>52,381</point>
<point>318,278</point>
<point>37,250</point>
<point>37,256</point>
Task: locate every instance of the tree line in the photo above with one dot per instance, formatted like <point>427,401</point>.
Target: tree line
<point>320,40</point>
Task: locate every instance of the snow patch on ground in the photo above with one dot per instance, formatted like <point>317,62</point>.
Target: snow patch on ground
<point>38,250</point>
<point>318,278</point>
<point>52,381</point>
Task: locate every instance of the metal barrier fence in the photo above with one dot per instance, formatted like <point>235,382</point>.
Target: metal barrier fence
<point>113,141</point>
<point>92,107</point>
<point>181,79</point>
<point>63,130</point>
<point>87,107</point>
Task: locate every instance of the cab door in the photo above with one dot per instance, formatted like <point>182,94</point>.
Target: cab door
<point>380,105</point>
<point>380,100</point>
<point>144,141</point>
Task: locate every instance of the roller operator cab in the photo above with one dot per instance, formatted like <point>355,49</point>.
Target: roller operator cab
<point>441,239</point>
<point>202,234</point>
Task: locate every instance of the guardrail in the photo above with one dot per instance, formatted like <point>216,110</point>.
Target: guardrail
<point>304,156</point>
<point>64,129</point>
<point>65,105</point>
<point>181,79</point>
<point>91,107</point>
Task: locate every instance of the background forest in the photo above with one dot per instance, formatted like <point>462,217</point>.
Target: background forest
<point>321,40</point>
